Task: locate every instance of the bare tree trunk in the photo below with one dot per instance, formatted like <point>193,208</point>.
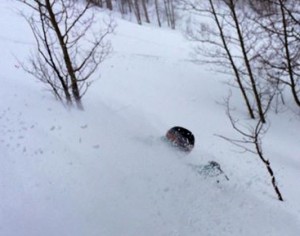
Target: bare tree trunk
<point>38,65</point>
<point>145,11</point>
<point>257,97</point>
<point>287,52</point>
<point>172,14</point>
<point>74,85</point>
<point>268,167</point>
<point>167,12</point>
<point>232,63</point>
<point>157,13</point>
<point>137,11</point>
<point>122,6</point>
<point>109,5</point>
<point>130,6</point>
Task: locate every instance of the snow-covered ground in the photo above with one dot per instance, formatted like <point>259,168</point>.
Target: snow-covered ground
<point>105,171</point>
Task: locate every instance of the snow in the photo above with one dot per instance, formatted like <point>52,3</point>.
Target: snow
<point>105,171</point>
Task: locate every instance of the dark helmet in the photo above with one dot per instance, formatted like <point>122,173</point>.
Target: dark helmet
<point>181,138</point>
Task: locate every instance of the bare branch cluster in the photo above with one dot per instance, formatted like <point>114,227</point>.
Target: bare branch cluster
<point>251,141</point>
<point>69,47</point>
<point>281,59</point>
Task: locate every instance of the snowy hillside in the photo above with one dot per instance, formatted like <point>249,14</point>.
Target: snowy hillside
<point>105,171</point>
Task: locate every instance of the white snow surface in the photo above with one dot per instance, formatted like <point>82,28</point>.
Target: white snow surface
<point>105,171</point>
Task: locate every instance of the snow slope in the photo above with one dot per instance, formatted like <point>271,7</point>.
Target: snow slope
<point>105,171</point>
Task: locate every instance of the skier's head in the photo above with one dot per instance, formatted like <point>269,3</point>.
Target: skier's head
<point>181,138</point>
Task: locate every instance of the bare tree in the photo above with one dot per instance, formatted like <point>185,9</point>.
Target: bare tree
<point>68,50</point>
<point>216,45</point>
<point>231,42</point>
<point>242,41</point>
<point>251,140</point>
<point>282,59</point>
